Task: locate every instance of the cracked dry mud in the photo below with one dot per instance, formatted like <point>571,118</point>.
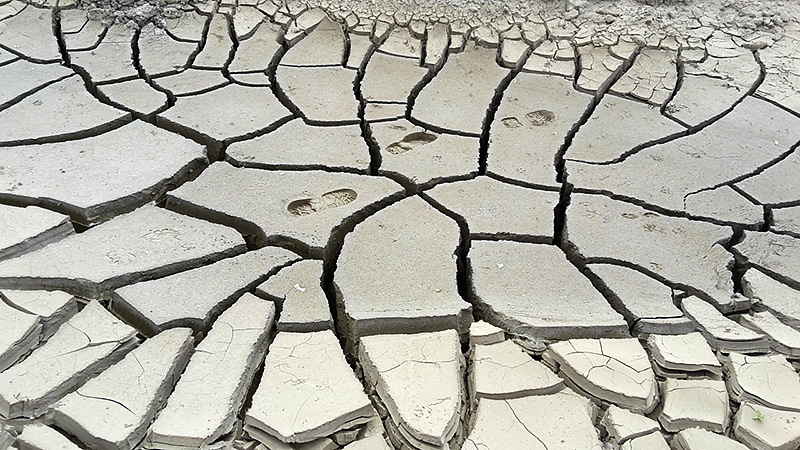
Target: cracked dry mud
<point>258,225</point>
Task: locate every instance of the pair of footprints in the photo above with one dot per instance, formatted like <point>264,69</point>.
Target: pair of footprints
<point>328,200</point>
<point>535,118</point>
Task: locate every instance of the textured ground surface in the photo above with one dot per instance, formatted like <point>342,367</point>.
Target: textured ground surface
<point>266,226</point>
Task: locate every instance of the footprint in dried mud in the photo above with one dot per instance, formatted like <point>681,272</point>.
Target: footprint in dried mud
<point>329,200</point>
<point>540,117</point>
<point>411,142</point>
<point>511,122</point>
<point>339,197</point>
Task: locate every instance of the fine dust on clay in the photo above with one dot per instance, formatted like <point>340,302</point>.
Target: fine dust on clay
<point>759,22</point>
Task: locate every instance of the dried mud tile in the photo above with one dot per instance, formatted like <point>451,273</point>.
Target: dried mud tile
<point>535,108</point>
<point>698,439</point>
<point>359,49</point>
<point>53,307</point>
<point>21,334</point>
<point>725,203</point>
<point>304,306</point>
<point>548,65</point>
<point>775,254</point>
<point>323,46</point>
<point>11,8</point>
<point>21,78</point>
<point>300,208</point>
<point>396,367</point>
<point>409,291</point>
<point>308,391</point>
<point>400,42</point>
<point>768,380</point>
<point>685,352</point>
<point>112,59</point>
<point>218,44</point>
<point>783,338</point>
<point>257,51</point>
<point>652,78</point>
<point>519,422</point>
<point>602,140</point>
<point>652,441</point>
<point>390,79</point>
<point>765,428</point>
<point>41,437</point>
<point>436,44</point>
<point>297,144</point>
<point>62,109</point>
<point>95,178</point>
<point>376,112</point>
<point>512,51</point>
<point>217,378</point>
<point>493,208</point>
<point>132,247</point>
<point>691,163</point>
<point>246,20</point>
<point>644,302</point>
<point>135,95</point>
<point>623,425</point>
<point>195,297</point>
<point>505,371</point>
<point>189,26</point>
<point>658,244</point>
<point>694,403</point>
<point>786,219</point>
<point>558,302</point>
<point>782,80</point>
<point>711,87</point>
<point>778,184</point>
<point>159,53</point>
<point>370,443</point>
<point>251,110</point>
<point>90,341</point>
<point>598,66</point>
<point>191,82</point>
<point>28,229</point>
<point>87,37</point>
<point>484,333</point>
<point>613,370</point>
<point>442,101</point>
<point>324,95</point>
<point>778,298</point>
<point>114,409</point>
<point>722,333</point>
<point>30,33</point>
<point>423,157</point>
